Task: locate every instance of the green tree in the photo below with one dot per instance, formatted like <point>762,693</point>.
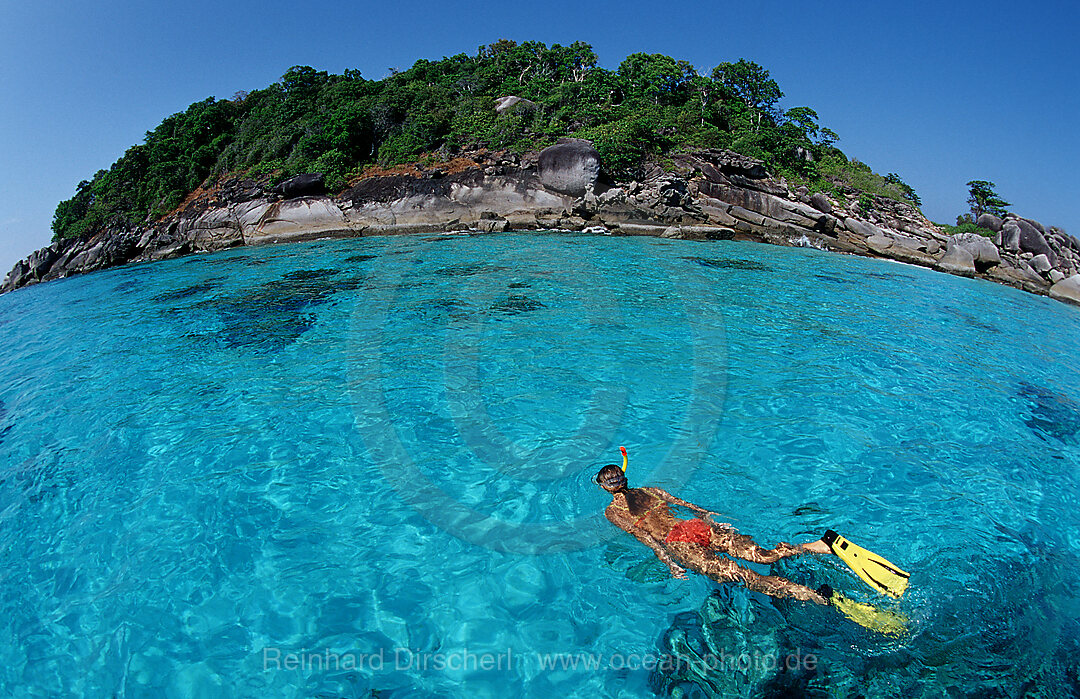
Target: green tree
<point>984,200</point>
<point>655,78</point>
<point>751,84</point>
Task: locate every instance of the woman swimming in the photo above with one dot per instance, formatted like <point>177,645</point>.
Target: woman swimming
<point>694,543</point>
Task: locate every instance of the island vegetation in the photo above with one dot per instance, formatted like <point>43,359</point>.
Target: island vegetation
<point>311,121</point>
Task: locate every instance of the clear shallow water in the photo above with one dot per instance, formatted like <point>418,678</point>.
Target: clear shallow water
<point>351,468</point>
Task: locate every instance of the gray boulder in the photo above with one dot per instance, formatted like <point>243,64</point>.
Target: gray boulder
<point>16,277</point>
<point>571,167</point>
<point>1067,290</point>
<point>821,202</point>
<point>879,243</point>
<point>989,221</point>
<point>308,184</point>
<point>957,260</point>
<point>1010,236</point>
<point>1036,225</point>
<point>982,249</point>
<point>1032,240</point>
<point>40,261</point>
<point>1041,264</point>
<point>863,228</point>
<point>513,103</point>
<point>1059,238</point>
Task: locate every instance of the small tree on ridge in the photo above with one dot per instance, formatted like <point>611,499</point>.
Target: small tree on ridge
<point>984,200</point>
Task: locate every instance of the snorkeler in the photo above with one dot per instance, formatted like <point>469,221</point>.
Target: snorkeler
<point>694,543</point>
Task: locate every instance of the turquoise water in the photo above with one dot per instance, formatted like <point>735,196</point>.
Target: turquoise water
<point>362,468</point>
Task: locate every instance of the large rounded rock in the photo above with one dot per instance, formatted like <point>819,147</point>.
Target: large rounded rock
<point>821,202</point>
<point>989,221</point>
<point>570,167</point>
<point>308,184</point>
<point>862,228</point>
<point>1036,225</point>
<point>957,260</point>
<point>1040,263</point>
<point>1032,240</point>
<point>1067,290</point>
<point>982,249</point>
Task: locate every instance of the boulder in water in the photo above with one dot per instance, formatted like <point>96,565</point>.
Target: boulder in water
<point>1067,290</point>
<point>957,260</point>
<point>982,249</point>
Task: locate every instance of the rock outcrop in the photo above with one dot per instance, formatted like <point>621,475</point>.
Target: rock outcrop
<point>1067,290</point>
<point>957,260</point>
<point>512,103</point>
<point>703,195</point>
<point>983,251</point>
<point>570,167</point>
<point>308,185</point>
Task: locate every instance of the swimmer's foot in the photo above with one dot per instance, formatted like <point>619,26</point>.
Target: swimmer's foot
<point>818,546</point>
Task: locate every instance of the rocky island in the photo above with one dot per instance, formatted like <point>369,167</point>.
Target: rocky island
<point>674,185</point>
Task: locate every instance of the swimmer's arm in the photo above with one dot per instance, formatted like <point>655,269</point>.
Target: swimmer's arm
<point>676,570</point>
<point>665,495</point>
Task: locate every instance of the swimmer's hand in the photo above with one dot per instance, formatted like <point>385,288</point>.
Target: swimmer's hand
<point>708,518</point>
<point>677,572</point>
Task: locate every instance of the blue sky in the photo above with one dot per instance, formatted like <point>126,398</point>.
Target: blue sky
<point>940,93</point>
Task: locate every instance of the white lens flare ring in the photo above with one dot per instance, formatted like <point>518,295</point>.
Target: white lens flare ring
<point>463,355</point>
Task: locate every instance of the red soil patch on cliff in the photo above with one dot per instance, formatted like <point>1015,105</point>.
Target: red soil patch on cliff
<point>424,167</point>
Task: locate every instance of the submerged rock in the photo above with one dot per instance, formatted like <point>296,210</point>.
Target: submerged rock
<point>731,646</point>
<point>1052,414</point>
<point>516,304</point>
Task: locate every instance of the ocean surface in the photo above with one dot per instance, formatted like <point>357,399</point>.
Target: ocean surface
<point>362,468</point>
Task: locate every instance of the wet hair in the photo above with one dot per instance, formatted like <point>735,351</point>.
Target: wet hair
<point>637,500</point>
<point>611,476</point>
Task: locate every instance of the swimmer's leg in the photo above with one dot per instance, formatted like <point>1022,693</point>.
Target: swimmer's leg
<point>742,546</point>
<point>722,570</point>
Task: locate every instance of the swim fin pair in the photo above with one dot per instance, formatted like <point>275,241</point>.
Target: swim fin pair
<point>875,571</point>
<point>866,615</point>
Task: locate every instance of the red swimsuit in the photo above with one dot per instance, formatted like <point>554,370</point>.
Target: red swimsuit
<point>691,531</point>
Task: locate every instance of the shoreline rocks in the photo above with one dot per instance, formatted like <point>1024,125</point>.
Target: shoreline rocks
<point>708,194</point>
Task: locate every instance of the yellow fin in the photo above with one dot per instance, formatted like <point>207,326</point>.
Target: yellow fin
<point>875,571</point>
<point>870,617</point>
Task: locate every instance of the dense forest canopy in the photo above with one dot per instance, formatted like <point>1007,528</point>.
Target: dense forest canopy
<point>312,121</point>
